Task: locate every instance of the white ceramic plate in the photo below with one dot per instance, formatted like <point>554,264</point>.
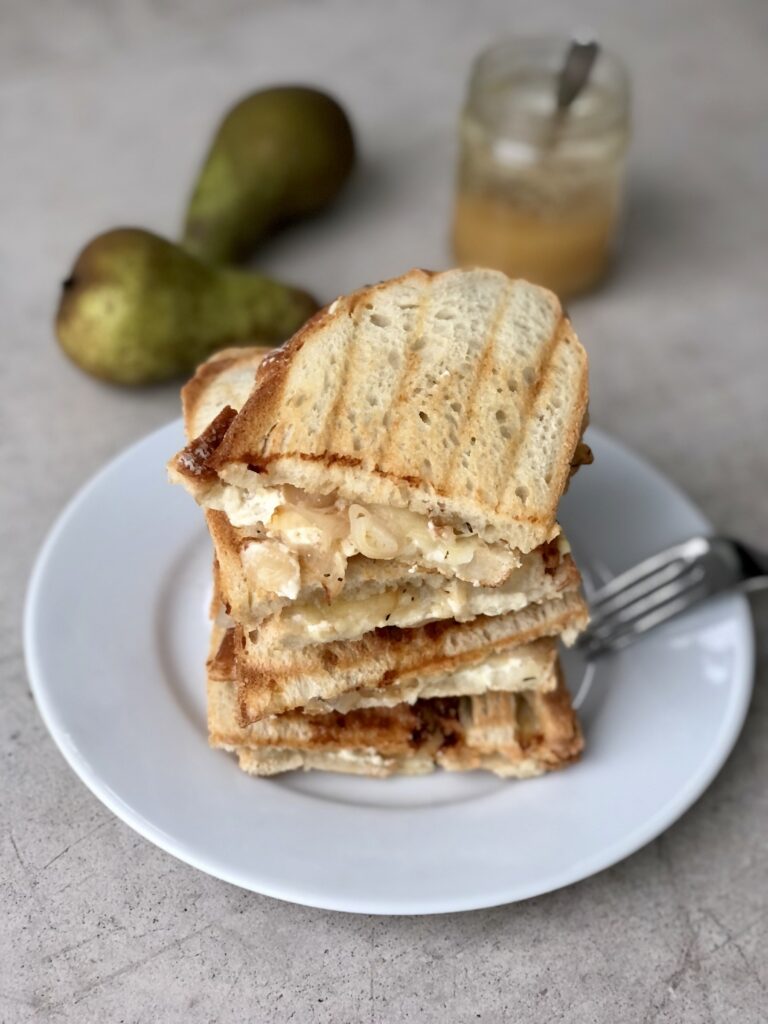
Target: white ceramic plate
<point>116,634</point>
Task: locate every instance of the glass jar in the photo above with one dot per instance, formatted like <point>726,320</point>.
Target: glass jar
<point>539,196</point>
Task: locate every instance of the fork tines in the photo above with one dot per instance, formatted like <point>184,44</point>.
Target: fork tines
<point>657,589</point>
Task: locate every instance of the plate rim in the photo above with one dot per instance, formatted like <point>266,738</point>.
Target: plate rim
<point>629,844</point>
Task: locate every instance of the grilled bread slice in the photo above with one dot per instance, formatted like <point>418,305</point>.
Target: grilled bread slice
<point>529,666</point>
<point>225,380</point>
<point>272,680</point>
<point>526,668</point>
<point>433,418</point>
<point>511,734</point>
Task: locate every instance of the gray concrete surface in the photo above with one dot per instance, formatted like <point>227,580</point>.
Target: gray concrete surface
<point>105,108</point>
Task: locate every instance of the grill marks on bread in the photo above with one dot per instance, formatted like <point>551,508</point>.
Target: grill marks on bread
<point>459,393</point>
<point>474,415</point>
<point>531,385</point>
<point>511,734</point>
<point>272,680</point>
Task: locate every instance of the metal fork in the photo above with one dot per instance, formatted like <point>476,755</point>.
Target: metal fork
<point>665,585</point>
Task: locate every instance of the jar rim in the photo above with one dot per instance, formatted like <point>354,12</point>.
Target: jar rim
<point>530,57</point>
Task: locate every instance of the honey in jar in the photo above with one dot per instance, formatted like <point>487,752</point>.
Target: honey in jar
<point>539,195</point>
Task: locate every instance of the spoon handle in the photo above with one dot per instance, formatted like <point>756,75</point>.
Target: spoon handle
<point>575,72</point>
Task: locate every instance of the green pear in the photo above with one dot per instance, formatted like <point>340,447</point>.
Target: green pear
<point>278,155</point>
<point>137,309</point>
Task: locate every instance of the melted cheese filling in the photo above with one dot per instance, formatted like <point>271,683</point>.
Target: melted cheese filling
<point>420,601</point>
<point>347,619</point>
<point>308,539</point>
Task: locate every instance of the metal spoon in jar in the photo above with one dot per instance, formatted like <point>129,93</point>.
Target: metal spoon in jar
<point>571,80</point>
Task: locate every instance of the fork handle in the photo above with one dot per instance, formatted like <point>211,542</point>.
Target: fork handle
<point>753,562</point>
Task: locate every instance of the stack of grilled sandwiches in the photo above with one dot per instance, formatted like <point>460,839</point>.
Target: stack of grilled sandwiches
<point>390,579</point>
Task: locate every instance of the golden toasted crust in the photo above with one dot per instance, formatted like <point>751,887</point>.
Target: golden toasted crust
<point>525,668</point>
<point>215,607</point>
<point>221,654</point>
<point>192,462</point>
<point>271,681</point>
<point>511,734</point>
<point>236,369</point>
<point>535,726</point>
<point>389,730</point>
<point>417,412</point>
<point>275,760</point>
<point>233,585</point>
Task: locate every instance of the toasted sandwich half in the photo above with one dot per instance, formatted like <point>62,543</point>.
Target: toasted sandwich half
<point>511,734</point>
<point>357,673</point>
<point>432,420</point>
